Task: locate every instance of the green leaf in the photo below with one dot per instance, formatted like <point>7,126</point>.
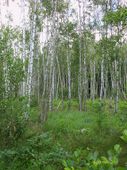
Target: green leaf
<point>117,148</point>
<point>124,136</point>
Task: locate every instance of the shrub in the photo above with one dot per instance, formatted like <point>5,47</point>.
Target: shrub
<point>12,122</point>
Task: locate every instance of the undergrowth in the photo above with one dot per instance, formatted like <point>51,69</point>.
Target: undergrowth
<point>67,138</point>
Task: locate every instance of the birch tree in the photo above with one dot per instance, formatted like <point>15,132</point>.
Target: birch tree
<point>31,54</point>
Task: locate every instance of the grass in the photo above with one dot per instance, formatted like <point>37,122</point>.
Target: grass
<point>81,124</point>
<point>98,129</point>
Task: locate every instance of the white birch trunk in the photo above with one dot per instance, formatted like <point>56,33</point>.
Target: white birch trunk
<point>80,60</point>
<point>31,57</point>
<point>93,79</point>
<point>23,58</point>
<point>23,43</point>
<point>68,64</point>
<point>5,68</point>
<point>102,80</point>
<point>85,81</point>
<point>116,87</point>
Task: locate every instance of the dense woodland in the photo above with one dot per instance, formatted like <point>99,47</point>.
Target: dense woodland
<point>63,86</point>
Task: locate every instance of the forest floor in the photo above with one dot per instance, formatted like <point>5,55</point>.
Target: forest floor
<point>68,135</point>
<point>97,129</point>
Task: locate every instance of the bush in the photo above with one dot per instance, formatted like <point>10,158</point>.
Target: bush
<point>37,153</point>
<point>92,161</point>
<point>12,122</point>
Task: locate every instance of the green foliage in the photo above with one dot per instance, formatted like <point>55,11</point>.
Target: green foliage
<point>67,29</point>
<point>100,2</point>
<point>116,17</point>
<point>12,107</point>
<point>37,153</point>
<point>49,6</point>
<point>124,135</point>
<point>11,68</point>
<point>107,47</point>
<point>65,141</point>
<point>82,129</point>
<point>12,124</point>
<point>15,75</point>
<point>92,161</point>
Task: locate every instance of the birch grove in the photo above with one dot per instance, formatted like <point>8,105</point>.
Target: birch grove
<point>63,84</point>
<point>81,56</point>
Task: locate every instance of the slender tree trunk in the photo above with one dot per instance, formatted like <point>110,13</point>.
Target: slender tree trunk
<point>23,44</point>
<point>93,80</point>
<point>116,87</point>
<point>102,80</point>
<point>31,57</point>
<point>80,60</point>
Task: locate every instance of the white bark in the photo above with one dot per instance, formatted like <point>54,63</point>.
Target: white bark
<point>116,87</point>
<point>102,80</point>
<point>68,63</point>
<point>31,57</point>
<point>5,68</point>
<point>93,79</point>
<point>80,60</point>
<point>23,43</point>
<point>85,87</point>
